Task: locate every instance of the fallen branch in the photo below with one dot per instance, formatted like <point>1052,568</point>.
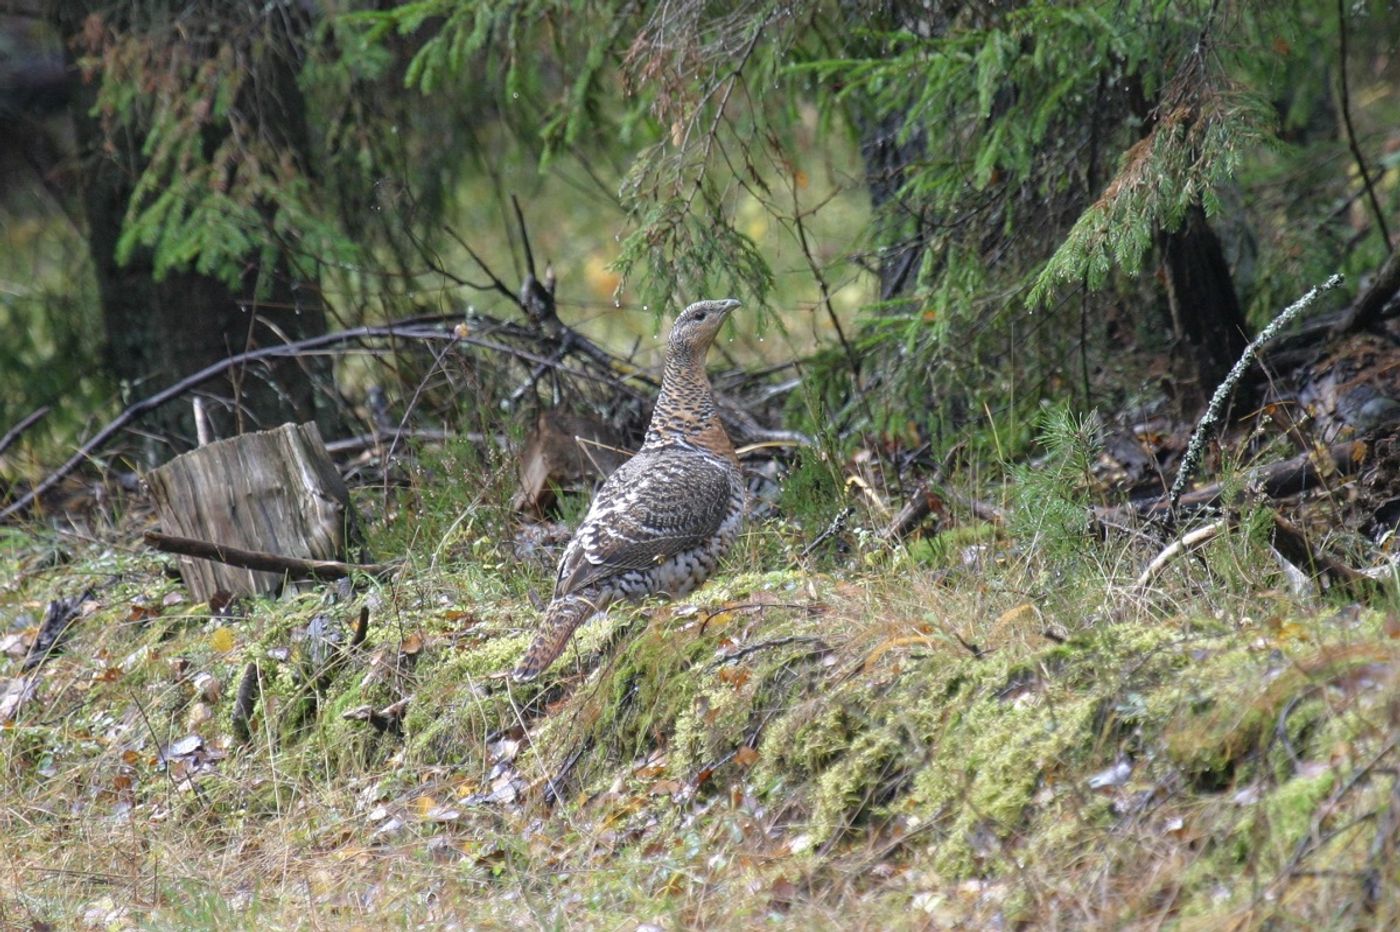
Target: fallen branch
<point>820,647</point>
<point>1222,391</point>
<point>294,567</point>
<point>1176,548</point>
<point>836,526</point>
<point>1278,480</point>
<point>920,505</point>
<point>1369,308</point>
<point>391,438</point>
<point>1290,541</point>
<point>1287,539</point>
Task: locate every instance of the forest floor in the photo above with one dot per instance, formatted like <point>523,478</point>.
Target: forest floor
<point>998,727</point>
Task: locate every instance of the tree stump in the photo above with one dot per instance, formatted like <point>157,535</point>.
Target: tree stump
<point>275,491</point>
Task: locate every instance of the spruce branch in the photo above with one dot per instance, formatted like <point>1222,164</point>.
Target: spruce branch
<point>1223,390</point>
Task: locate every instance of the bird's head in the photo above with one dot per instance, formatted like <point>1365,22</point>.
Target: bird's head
<point>695,328</point>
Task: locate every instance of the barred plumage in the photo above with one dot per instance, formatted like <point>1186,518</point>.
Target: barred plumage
<point>661,522</point>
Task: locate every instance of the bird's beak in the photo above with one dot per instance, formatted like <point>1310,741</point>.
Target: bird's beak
<point>729,304</point>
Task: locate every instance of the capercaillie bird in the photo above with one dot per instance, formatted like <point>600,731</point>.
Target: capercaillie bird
<point>661,522</point>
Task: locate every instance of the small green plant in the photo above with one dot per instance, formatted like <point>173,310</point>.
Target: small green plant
<point>1053,492</point>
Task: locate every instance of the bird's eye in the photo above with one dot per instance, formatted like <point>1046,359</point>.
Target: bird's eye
<point>700,316</point>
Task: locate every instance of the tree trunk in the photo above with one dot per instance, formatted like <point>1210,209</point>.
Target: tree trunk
<point>889,146</point>
<point>904,235</point>
<point>158,330</point>
<point>1209,327</point>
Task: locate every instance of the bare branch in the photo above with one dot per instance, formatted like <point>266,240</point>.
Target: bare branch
<point>295,567</point>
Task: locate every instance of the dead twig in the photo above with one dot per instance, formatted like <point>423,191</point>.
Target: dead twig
<point>1183,544</point>
<point>837,524</point>
<point>821,647</point>
<point>1355,147</point>
<point>27,422</point>
<point>1287,539</point>
<point>295,348</point>
<point>391,438</point>
<point>294,567</point>
<point>1277,480</point>
<point>1368,309</point>
<point>1314,838</point>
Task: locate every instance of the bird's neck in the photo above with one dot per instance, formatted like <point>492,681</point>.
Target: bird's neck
<point>685,411</point>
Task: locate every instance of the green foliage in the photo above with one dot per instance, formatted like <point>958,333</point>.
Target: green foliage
<point>51,353</point>
<point>1039,149</point>
<point>675,249</point>
<point>223,173</point>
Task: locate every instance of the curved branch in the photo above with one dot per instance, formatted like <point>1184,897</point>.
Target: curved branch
<point>165,396</point>
<point>1355,147</point>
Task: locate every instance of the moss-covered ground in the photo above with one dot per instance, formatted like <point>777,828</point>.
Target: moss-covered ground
<point>963,732</point>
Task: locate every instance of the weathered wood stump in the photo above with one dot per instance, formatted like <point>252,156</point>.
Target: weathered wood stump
<point>274,491</point>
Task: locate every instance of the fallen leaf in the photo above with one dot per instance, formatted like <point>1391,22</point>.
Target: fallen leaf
<point>16,645</point>
<point>142,611</point>
<point>222,640</point>
<point>664,787</point>
<point>1111,777</point>
<point>746,756</point>
<point>734,676</point>
<point>20,690</point>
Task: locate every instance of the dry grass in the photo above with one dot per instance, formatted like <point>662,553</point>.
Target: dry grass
<point>997,738</point>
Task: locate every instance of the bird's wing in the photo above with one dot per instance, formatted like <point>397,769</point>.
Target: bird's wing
<point>658,504</point>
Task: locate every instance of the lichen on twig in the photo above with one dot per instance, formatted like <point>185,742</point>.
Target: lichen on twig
<point>1227,385</point>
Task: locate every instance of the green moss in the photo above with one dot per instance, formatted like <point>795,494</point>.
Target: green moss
<point>1289,811</point>
<point>875,740</point>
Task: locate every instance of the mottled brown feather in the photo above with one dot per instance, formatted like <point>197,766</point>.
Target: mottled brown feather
<point>665,502</point>
<point>660,522</point>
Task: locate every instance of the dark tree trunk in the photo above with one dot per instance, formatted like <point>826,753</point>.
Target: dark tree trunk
<point>160,330</point>
<point>904,235</point>
<point>890,147</point>
<point>1209,327</point>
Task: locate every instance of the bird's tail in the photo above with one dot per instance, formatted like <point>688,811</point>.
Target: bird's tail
<point>563,616</point>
